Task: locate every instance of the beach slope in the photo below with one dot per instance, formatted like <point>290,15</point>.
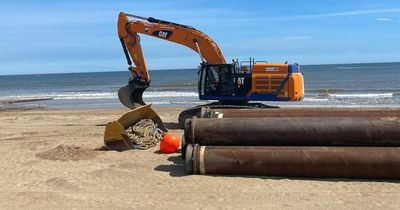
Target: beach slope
<point>53,159</point>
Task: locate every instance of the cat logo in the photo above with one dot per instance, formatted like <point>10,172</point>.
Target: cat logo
<point>162,34</point>
<point>240,81</point>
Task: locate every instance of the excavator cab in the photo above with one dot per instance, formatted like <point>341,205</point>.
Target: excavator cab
<point>223,82</point>
<point>217,80</point>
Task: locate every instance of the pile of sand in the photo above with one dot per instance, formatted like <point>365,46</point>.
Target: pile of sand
<point>68,152</point>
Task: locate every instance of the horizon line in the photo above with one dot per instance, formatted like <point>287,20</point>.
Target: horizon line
<point>322,64</point>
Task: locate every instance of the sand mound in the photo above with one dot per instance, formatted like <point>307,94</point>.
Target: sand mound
<point>68,152</point>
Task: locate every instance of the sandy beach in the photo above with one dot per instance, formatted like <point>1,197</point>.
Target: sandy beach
<point>30,178</point>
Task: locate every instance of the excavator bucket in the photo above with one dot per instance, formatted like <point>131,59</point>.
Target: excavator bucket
<point>115,136</point>
<point>131,96</point>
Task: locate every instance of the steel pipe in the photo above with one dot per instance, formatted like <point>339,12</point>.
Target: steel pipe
<point>294,131</point>
<point>207,112</point>
<point>324,162</point>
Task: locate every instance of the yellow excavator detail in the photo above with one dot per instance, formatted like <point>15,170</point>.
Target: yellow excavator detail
<point>115,136</point>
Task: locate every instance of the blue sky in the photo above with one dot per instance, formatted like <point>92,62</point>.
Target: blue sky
<point>80,36</point>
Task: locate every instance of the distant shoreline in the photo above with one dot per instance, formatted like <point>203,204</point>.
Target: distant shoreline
<point>185,69</point>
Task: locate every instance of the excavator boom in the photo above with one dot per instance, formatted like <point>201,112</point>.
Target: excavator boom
<point>129,28</point>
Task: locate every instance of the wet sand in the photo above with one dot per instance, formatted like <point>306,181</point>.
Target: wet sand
<point>36,172</point>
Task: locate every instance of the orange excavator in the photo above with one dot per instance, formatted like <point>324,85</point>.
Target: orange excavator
<point>128,30</point>
<point>231,84</point>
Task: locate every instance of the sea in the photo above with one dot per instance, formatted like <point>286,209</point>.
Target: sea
<point>337,85</point>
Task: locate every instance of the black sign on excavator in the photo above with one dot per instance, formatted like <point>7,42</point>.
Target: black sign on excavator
<point>162,34</point>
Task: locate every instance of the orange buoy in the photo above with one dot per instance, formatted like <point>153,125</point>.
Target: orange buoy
<point>169,143</point>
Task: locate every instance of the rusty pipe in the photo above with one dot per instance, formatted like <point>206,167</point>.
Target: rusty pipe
<point>207,112</point>
<point>323,162</point>
<point>294,131</point>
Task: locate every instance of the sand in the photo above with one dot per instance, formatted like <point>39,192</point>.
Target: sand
<point>53,159</point>
<point>68,152</point>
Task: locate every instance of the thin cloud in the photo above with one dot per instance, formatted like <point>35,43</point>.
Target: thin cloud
<point>316,16</point>
<point>385,19</point>
<point>298,37</point>
<point>335,14</point>
<point>353,13</point>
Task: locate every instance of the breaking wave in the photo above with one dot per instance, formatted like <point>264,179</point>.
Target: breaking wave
<point>169,94</point>
<point>362,95</point>
<point>100,95</point>
<point>315,99</point>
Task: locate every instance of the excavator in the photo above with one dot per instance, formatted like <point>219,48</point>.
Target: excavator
<point>232,84</point>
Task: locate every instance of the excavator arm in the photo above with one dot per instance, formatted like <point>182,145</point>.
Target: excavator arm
<point>129,28</point>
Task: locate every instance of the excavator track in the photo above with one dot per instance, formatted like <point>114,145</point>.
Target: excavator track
<point>197,110</point>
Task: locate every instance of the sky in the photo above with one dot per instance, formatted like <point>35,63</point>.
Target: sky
<point>50,36</point>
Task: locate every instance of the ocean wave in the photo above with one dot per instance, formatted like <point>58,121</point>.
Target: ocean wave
<point>83,95</point>
<point>169,94</point>
<point>326,90</point>
<point>315,99</point>
<point>175,102</point>
<point>362,95</point>
<point>100,95</point>
<point>161,102</point>
<point>79,91</point>
<point>351,67</point>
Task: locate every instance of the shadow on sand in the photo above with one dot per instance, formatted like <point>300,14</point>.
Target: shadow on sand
<point>176,168</point>
<point>172,125</point>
